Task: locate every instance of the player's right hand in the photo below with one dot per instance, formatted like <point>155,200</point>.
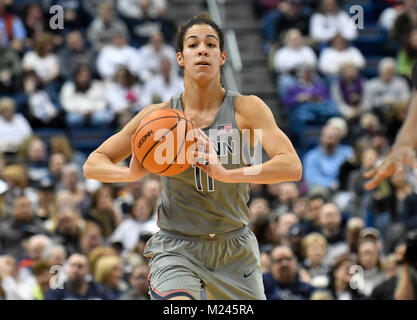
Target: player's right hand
<point>395,161</point>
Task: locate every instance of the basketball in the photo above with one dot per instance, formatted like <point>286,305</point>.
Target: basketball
<point>164,142</point>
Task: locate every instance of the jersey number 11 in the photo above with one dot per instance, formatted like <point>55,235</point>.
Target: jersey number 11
<point>198,184</point>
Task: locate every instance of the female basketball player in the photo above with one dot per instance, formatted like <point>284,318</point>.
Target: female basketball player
<point>204,241</point>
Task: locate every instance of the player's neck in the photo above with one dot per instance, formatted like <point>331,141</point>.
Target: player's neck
<point>202,97</point>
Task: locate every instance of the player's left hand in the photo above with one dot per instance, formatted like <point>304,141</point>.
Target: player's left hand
<point>207,158</point>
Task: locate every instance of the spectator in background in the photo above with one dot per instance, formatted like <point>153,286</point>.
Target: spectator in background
<point>34,248</point>
<point>283,281</point>
<point>356,182</point>
<point>284,223</point>
<point>133,8</point>
<point>74,53</point>
<point>56,162</point>
<point>322,164</point>
<point>309,87</point>
<point>407,55</point>
<point>91,237</point>
<point>103,211</point>
<point>101,30</point>
<point>34,22</point>
<point>354,226</point>
<point>108,271</point>
<point>14,231</point>
<point>41,109</point>
<point>385,290</point>
<point>262,7</point>
<point>287,193</point>
<point>10,68</point>
<point>116,54</point>
<point>288,58</point>
<point>16,180</point>
<point>314,248</point>
<point>12,29</point>
<point>142,220</point>
<point>78,287</point>
<point>124,94</point>
<point>341,279</point>
<point>42,59</point>
<point>61,144</point>
<point>331,228</point>
<point>153,52</point>
<point>163,86</point>
<point>71,180</point>
<point>35,158</point>
<point>332,58</point>
<point>99,252</point>
<point>14,128</point>
<point>84,100</point>
<point>316,200</point>
<point>405,21</point>
<point>45,206</point>
<point>292,16</point>
<point>67,229</point>
<point>389,15</point>
<point>142,28</point>
<point>386,90</point>
<point>139,285</point>
<point>41,271</point>
<point>348,92</point>
<point>369,260</point>
<point>10,286</point>
<point>258,207</point>
<point>330,21</point>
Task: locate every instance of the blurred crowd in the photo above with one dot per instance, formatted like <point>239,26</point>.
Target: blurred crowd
<point>66,237</point>
<point>332,238</point>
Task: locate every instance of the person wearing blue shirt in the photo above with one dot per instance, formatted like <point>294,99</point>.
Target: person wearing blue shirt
<point>77,287</point>
<point>11,27</point>
<point>283,281</point>
<point>322,164</point>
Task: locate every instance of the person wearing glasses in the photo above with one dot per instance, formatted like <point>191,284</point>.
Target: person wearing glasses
<point>285,281</point>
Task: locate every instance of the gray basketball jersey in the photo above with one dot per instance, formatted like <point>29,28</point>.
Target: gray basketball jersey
<point>195,204</point>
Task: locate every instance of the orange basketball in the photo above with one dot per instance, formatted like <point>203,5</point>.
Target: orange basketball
<point>164,142</point>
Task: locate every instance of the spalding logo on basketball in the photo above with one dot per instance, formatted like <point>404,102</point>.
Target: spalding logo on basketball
<point>164,142</point>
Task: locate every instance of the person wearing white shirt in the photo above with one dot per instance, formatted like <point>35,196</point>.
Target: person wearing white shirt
<point>332,58</point>
<point>124,93</point>
<point>85,98</point>
<point>118,54</point>
<point>134,8</point>
<point>155,50</point>
<point>288,58</point>
<point>386,90</point>
<point>329,21</point>
<point>163,86</point>
<point>43,61</point>
<point>142,220</point>
<point>14,128</point>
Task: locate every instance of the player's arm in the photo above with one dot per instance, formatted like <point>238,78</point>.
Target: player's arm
<point>102,163</point>
<point>402,152</point>
<point>284,164</point>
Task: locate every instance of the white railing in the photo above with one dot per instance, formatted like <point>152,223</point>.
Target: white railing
<point>233,68</point>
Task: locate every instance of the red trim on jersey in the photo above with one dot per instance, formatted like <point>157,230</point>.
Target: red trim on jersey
<point>169,292</point>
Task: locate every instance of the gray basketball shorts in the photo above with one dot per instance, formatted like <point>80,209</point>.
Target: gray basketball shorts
<point>225,267</point>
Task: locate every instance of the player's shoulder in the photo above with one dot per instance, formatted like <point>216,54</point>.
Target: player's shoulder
<point>251,107</point>
<point>249,103</point>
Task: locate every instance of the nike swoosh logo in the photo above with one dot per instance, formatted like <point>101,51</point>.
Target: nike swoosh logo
<point>246,275</point>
